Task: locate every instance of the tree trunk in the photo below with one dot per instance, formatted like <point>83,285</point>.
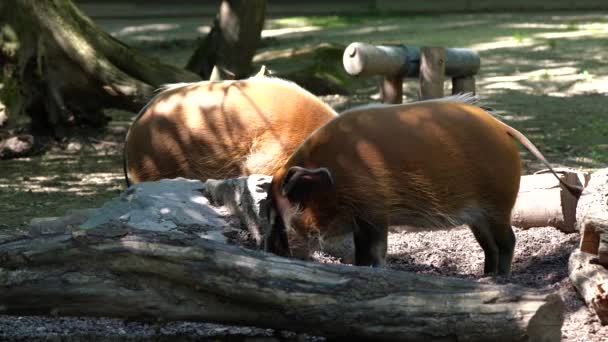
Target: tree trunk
<point>131,273</point>
<point>68,70</point>
<point>232,42</point>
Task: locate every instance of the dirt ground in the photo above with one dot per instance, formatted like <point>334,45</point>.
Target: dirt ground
<point>543,73</point>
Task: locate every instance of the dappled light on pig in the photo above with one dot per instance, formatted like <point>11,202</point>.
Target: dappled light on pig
<point>429,165</point>
<point>221,129</point>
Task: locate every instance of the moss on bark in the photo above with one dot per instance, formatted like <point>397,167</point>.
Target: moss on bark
<point>68,70</point>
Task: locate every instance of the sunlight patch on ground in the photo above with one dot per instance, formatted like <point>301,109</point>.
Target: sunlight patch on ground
<point>519,40</point>
<point>572,34</point>
<point>145,28</point>
<point>374,29</point>
<point>582,82</point>
<point>503,43</point>
<point>544,26</point>
<point>598,84</point>
<point>288,31</point>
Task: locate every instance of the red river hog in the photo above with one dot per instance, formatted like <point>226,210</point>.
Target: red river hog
<point>431,164</point>
<point>221,129</point>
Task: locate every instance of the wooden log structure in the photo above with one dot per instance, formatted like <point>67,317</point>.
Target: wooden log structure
<point>395,62</point>
<point>432,72</point>
<point>543,201</point>
<point>588,265</point>
<point>590,280</point>
<point>118,271</point>
<point>592,217</point>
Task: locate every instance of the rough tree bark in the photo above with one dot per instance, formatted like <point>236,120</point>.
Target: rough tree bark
<point>588,265</point>
<point>68,70</point>
<point>232,41</point>
<point>141,256</point>
<point>120,272</point>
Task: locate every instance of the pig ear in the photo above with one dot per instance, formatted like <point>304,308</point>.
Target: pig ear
<point>299,181</point>
<point>215,74</point>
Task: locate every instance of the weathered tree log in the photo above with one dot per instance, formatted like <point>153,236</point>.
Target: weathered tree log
<point>543,201</point>
<point>232,41</point>
<point>143,258</point>
<point>120,272</point>
<point>68,70</point>
<point>591,281</point>
<point>588,265</point>
<point>592,216</point>
<point>594,236</point>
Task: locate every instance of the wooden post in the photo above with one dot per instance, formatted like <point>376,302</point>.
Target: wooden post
<point>464,84</point>
<point>391,89</point>
<point>432,72</point>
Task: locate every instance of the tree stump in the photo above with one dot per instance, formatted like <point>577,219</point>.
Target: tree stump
<point>233,40</point>
<point>67,70</point>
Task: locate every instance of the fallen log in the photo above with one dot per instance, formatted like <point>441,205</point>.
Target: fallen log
<point>591,281</point>
<point>592,217</point>
<point>123,272</point>
<point>587,265</point>
<point>543,201</point>
<point>166,271</point>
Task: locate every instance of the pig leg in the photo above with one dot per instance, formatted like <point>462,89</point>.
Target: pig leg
<point>505,240</point>
<point>485,238</point>
<point>370,243</point>
<point>498,243</point>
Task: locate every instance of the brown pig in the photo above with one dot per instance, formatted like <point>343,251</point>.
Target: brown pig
<point>221,129</point>
<point>430,164</point>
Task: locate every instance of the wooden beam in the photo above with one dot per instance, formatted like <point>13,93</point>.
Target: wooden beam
<point>360,59</point>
